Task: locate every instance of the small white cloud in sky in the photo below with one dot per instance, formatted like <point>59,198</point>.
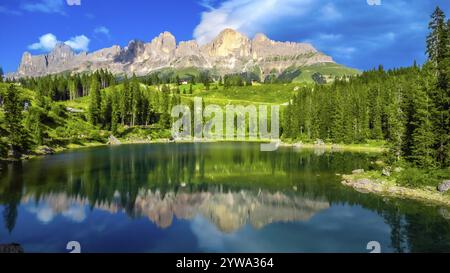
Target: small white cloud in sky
<point>330,12</point>
<point>74,2</point>
<point>6,10</point>
<point>330,36</point>
<point>344,52</point>
<point>48,41</point>
<point>79,43</point>
<point>45,6</point>
<point>102,30</point>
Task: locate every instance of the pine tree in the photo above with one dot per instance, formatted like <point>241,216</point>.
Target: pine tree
<point>95,101</point>
<point>1,74</point>
<point>116,114</point>
<point>125,101</point>
<point>106,115</point>
<point>439,56</point>
<point>395,125</point>
<point>72,89</point>
<point>287,121</point>
<point>34,125</point>
<point>3,142</point>
<point>136,101</point>
<point>422,154</point>
<point>17,134</point>
<point>165,115</point>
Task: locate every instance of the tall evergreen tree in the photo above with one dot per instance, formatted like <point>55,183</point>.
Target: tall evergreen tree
<point>116,108</point>
<point>439,56</point>
<point>95,102</point>
<point>33,124</point>
<point>1,74</point>
<point>423,138</point>
<point>17,134</point>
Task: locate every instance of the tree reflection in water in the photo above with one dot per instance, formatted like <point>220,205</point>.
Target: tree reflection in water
<point>230,184</point>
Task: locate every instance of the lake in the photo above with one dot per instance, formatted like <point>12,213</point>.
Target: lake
<point>207,197</point>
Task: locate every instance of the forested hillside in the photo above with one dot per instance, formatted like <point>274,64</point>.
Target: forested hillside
<point>408,108</point>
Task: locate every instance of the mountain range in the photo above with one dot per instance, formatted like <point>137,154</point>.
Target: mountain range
<point>230,52</point>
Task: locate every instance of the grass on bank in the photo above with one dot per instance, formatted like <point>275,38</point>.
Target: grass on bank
<point>403,181</point>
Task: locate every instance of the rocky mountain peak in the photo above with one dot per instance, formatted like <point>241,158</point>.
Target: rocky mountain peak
<point>62,48</point>
<point>165,42</point>
<point>230,52</point>
<point>229,42</point>
<point>260,37</point>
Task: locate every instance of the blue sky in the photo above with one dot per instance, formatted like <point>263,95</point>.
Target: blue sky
<point>353,32</point>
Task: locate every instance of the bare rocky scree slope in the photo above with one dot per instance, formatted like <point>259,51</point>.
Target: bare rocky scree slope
<point>229,52</point>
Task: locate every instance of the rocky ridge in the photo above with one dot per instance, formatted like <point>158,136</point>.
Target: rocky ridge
<point>229,52</point>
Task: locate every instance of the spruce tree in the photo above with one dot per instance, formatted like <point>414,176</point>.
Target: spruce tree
<point>116,114</point>
<point>3,142</point>
<point>95,101</point>
<point>33,124</point>
<point>17,134</point>
<point>439,56</point>
<point>106,115</point>
<point>396,126</point>
<point>423,138</point>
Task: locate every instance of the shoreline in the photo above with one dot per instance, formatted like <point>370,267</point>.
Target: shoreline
<point>337,147</point>
<point>365,183</point>
<point>309,146</point>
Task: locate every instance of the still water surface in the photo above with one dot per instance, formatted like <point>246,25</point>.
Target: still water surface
<point>215,197</point>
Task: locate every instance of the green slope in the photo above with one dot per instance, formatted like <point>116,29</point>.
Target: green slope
<point>328,70</point>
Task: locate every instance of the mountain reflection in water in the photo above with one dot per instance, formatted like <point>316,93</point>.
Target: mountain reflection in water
<point>228,211</point>
<point>207,197</point>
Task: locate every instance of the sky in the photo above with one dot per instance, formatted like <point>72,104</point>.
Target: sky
<point>356,33</point>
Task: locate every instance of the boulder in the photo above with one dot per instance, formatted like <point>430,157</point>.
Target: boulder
<point>386,171</point>
<point>11,248</point>
<point>358,171</point>
<point>46,150</point>
<point>444,186</point>
<point>112,140</point>
<point>444,213</point>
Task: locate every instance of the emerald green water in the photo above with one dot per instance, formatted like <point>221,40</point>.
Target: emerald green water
<point>215,197</point>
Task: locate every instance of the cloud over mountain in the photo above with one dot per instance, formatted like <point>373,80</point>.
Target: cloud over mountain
<point>352,31</point>
<point>47,42</point>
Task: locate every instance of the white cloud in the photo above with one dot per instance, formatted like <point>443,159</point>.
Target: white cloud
<point>247,16</point>
<point>390,36</point>
<point>102,30</point>
<point>209,4</point>
<point>5,10</point>
<point>48,41</point>
<point>46,214</point>
<point>45,6</point>
<point>73,2</point>
<point>344,52</point>
<point>330,12</point>
<point>79,43</point>
<point>330,36</point>
<point>75,213</point>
